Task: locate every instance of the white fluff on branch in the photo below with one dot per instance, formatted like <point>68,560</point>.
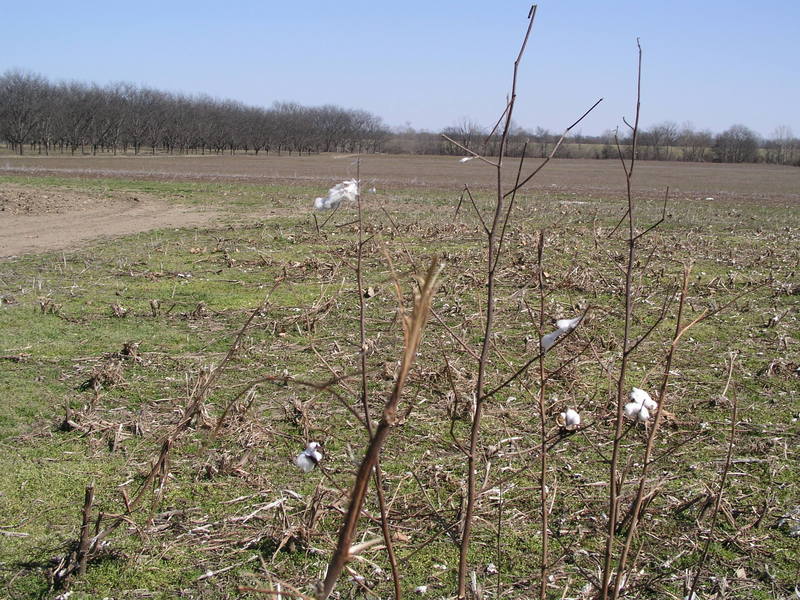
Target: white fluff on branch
<point>346,191</point>
<point>550,339</point>
<point>642,397</point>
<point>563,326</point>
<point>567,325</point>
<point>636,411</point>
<point>309,458</point>
<point>571,418</point>
<point>640,405</point>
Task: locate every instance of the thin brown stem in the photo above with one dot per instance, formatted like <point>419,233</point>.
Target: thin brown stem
<point>362,330</point>
<point>723,478</point>
<point>614,483</point>
<point>543,492</point>
<point>553,152</point>
<point>413,325</point>
<point>492,263</point>
<point>635,515</point>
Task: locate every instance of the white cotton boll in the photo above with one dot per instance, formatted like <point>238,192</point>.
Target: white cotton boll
<point>305,462</point>
<point>550,339</point>
<point>639,396</point>
<point>346,191</point>
<point>571,418</point>
<point>644,414</point>
<point>309,458</point>
<point>421,589</point>
<point>632,409</point>
<point>643,398</point>
<point>466,159</point>
<point>567,325</point>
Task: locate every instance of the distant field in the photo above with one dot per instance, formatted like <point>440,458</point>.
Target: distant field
<point>600,178</point>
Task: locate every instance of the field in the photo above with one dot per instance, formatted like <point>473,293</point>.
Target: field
<point>119,351</point>
<point>592,178</point>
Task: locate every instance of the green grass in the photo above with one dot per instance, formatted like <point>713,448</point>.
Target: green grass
<point>206,519</point>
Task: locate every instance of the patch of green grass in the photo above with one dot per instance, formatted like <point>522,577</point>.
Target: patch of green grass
<point>233,497</point>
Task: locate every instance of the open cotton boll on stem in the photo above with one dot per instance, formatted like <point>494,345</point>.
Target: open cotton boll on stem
<point>309,458</point>
<point>550,339</point>
<point>567,325</point>
<point>638,395</point>
<point>644,414</point>
<point>571,418</point>
<point>634,410</point>
<point>641,397</point>
<point>341,192</point>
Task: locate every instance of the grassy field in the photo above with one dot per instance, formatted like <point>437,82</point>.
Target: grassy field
<point>101,346</point>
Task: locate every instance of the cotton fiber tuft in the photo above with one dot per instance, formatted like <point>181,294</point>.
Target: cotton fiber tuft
<point>346,191</point>
<point>563,326</point>
<point>571,418</point>
<point>309,458</point>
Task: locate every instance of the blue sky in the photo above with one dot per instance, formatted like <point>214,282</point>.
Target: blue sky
<point>432,64</point>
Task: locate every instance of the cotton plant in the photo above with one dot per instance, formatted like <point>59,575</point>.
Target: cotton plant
<point>641,405</point>
<point>563,327</point>
<point>309,458</point>
<point>570,419</point>
<point>346,191</point>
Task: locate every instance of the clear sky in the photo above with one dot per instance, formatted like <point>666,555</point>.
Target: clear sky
<point>431,64</point>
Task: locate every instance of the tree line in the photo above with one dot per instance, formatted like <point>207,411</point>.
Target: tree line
<point>87,118</point>
<point>45,117</point>
<point>664,141</point>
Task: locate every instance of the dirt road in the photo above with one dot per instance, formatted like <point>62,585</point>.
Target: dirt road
<point>42,219</point>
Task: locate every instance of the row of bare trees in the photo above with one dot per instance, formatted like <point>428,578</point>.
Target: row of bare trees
<point>77,117</point>
<point>72,117</point>
<point>664,141</point>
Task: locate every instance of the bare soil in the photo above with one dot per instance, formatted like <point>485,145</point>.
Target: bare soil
<point>40,219</point>
<point>602,178</point>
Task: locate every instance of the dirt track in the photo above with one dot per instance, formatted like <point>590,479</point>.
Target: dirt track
<point>41,219</point>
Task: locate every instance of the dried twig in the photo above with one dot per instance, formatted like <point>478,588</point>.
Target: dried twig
<point>723,478</point>
<point>413,325</point>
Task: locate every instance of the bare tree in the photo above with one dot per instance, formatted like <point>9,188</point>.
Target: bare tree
<point>655,142</point>
<point>694,145</point>
<point>782,147</point>
<point>466,132</point>
<point>736,144</point>
<point>21,107</point>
